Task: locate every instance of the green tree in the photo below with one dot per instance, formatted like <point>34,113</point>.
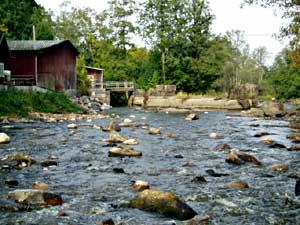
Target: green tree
<point>121,14</point>
<point>19,16</point>
<point>83,84</point>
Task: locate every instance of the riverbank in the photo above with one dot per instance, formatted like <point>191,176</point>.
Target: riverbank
<point>17,103</point>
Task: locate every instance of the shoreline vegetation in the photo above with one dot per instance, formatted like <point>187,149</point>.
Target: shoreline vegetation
<point>18,103</point>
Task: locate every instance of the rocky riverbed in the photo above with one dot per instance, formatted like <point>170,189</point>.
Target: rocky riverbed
<point>186,160</point>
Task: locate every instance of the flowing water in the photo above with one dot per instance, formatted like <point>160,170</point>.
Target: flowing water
<point>92,191</point>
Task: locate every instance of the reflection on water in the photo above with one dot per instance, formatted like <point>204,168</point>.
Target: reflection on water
<point>92,191</point>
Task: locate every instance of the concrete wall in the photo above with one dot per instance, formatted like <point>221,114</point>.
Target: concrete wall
<point>173,102</point>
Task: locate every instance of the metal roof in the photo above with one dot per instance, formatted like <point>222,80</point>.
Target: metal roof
<point>37,45</point>
<point>94,68</point>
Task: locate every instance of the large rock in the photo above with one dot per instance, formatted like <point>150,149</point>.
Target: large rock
<point>123,152</point>
<point>273,109</point>
<point>237,185</point>
<point>113,126</point>
<point>116,137</point>
<point>253,112</point>
<point>238,157</point>
<point>17,161</point>
<point>154,131</point>
<point>35,197</point>
<point>192,116</point>
<point>165,203</point>
<point>4,138</point>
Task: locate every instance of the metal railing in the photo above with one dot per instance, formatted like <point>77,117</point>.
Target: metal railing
<point>117,85</point>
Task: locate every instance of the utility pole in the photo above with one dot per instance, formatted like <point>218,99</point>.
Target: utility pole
<point>33,33</point>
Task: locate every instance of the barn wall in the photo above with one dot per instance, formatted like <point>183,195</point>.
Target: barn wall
<point>57,68</point>
<point>22,64</point>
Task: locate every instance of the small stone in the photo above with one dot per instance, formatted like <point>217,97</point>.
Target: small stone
<point>199,179</point>
<point>214,174</point>
<point>238,157</point>
<point>49,163</point>
<point>222,147</point>
<point>267,141</point>
<point>192,116</point>
<point>115,137</point>
<point>118,170</point>
<point>261,134</point>
<point>179,157</point>
<point>107,222</point>
<point>140,185</point>
<point>214,135</point>
<point>189,164</point>
<point>130,142</point>
<point>40,186</point>
<point>280,168</point>
<point>124,152</point>
<point>11,182</point>
<point>295,147</point>
<point>4,138</point>
<point>170,134</point>
<point>72,126</point>
<point>62,213</point>
<point>295,137</point>
<point>206,220</point>
<point>237,185</point>
<point>154,131</point>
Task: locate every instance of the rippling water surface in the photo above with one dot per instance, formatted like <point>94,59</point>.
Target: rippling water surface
<point>92,191</point>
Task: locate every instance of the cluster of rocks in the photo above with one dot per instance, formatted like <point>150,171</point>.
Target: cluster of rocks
<point>272,109</point>
<point>92,105</point>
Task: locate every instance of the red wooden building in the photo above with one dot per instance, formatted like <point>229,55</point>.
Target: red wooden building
<point>95,75</point>
<point>47,64</point>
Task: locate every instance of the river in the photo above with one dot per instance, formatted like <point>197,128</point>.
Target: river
<point>92,191</point>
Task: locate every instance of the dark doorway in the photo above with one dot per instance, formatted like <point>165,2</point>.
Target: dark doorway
<point>118,99</point>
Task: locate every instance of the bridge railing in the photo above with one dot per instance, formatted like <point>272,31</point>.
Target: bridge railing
<point>117,85</point>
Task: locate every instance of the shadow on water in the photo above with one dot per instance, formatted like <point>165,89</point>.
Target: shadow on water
<point>92,191</point>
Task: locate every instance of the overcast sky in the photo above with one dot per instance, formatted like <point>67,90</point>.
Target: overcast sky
<point>259,24</point>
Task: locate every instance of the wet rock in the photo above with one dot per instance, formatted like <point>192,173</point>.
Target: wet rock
<point>110,145</point>
<point>297,187</point>
<point>273,109</point>
<point>295,148</point>
<point>113,126</point>
<point>116,137</point>
<point>107,222</point>
<point>214,135</point>
<point>154,131</point>
<point>118,170</point>
<point>123,152</point>
<point>72,126</point>
<point>192,116</point>
<point>170,134</point>
<point>49,163</point>
<point>62,213</point>
<point>8,206</point>
<point>165,203</point>
<point>11,182</point>
<point>127,123</point>
<point>253,112</point>
<point>199,179</point>
<point>267,141</point>
<point>237,185</point>
<point>206,220</point>
<point>189,164</point>
<point>4,138</point>
<point>237,157</point>
<point>38,185</point>
<point>222,147</point>
<point>178,156</point>
<point>261,134</point>
<point>277,145</point>
<point>140,185</point>
<point>214,174</point>
<point>18,161</point>
<point>130,142</point>
<point>295,137</point>
<point>35,197</point>
<point>280,168</point>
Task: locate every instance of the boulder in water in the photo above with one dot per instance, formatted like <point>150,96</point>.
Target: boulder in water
<point>154,131</point>
<point>280,168</point>
<point>107,222</point>
<point>140,185</point>
<point>273,109</point>
<point>165,203</point>
<point>72,126</point>
<point>130,142</point>
<point>4,138</point>
<point>222,147</point>
<point>237,185</point>
<point>295,137</point>
<point>295,148</point>
<point>123,152</point>
<point>214,135</point>
<point>238,157</point>
<point>116,137</point>
<point>35,197</point>
<point>18,161</point>
<point>192,116</point>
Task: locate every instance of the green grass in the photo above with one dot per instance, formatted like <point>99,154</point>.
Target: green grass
<point>20,103</point>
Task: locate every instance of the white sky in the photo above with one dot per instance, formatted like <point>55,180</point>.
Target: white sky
<point>259,24</point>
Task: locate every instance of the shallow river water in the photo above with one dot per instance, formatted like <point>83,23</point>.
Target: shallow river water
<point>92,191</point>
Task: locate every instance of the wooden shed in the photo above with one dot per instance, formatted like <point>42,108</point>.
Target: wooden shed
<point>95,75</point>
<point>47,64</point>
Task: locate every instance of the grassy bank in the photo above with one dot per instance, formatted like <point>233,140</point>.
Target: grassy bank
<point>20,103</point>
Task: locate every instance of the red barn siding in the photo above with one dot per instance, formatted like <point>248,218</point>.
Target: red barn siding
<point>22,64</point>
<point>57,68</point>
